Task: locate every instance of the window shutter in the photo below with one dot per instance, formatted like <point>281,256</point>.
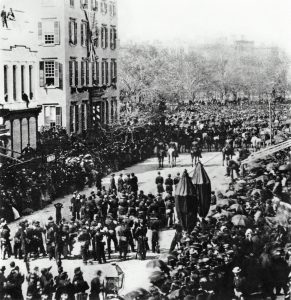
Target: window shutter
<point>71,72</point>
<point>61,82</point>
<point>97,72</point>
<point>75,33</point>
<point>82,34</point>
<point>93,73</point>
<point>87,73</point>
<point>115,70</point>
<point>40,32</point>
<point>57,32</point>
<point>112,69</point>
<point>58,116</point>
<point>70,32</point>
<point>107,72</point>
<point>76,74</point>
<point>57,74</point>
<point>111,40</point>
<point>41,73</point>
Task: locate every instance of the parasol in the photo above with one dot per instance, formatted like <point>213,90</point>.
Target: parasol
<point>240,220</point>
<point>186,202</point>
<point>202,184</point>
<point>237,207</point>
<point>223,213</point>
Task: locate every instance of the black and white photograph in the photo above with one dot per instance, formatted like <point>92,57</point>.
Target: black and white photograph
<point>145,150</point>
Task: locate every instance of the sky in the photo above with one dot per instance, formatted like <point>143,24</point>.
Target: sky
<point>192,21</point>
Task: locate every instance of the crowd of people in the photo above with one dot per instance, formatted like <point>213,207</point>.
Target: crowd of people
<point>28,187</point>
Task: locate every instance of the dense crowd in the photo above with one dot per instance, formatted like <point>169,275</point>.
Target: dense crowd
<point>30,186</point>
<point>239,251</point>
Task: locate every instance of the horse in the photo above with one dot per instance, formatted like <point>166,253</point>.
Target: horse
<point>172,154</point>
<point>195,153</point>
<point>227,152</point>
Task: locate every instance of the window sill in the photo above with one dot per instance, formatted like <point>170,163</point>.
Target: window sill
<point>49,45</point>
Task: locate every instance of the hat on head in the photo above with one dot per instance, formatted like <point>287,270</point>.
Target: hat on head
<point>77,270</point>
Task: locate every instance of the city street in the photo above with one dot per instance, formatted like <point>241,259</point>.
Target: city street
<point>146,173</point>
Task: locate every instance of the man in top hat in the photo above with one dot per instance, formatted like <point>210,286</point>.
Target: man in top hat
<point>169,184</point>
<point>80,285</point>
<point>46,283</point>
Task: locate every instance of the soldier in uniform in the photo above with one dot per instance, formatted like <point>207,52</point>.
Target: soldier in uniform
<point>160,183</point>
<point>84,238</point>
<point>46,283</point>
<point>80,285</point>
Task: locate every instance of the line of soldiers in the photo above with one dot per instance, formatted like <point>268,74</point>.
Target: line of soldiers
<point>41,284</point>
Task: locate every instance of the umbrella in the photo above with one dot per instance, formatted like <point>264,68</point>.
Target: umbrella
<point>186,202</point>
<point>279,139</point>
<point>202,184</point>
<point>240,220</point>
<point>157,276</point>
<point>27,211</point>
<point>285,167</point>
<point>176,294</point>
<point>223,202</point>
<point>237,207</point>
<point>167,257</point>
<point>157,263</point>
<point>270,182</point>
<point>271,166</point>
<point>222,213</point>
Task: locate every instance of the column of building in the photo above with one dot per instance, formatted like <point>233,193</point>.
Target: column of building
<point>18,83</point>
<point>10,82</point>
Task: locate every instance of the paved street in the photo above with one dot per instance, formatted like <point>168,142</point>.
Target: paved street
<point>146,172</point>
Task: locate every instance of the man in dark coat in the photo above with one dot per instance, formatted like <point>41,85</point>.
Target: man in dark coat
<point>159,183</point>
<point>120,183</point>
<point>80,285</point>
<point>169,184</point>
<point>112,185</point>
<point>96,286</point>
<point>134,183</point>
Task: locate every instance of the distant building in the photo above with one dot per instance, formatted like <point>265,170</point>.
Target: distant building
<point>19,108</point>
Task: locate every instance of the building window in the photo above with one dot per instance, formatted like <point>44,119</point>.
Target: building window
<point>112,9</point>
<point>84,4</point>
<point>50,74</point>
<point>52,116</point>
<point>113,70</point>
<point>104,37</point>
<point>30,82</point>
<point>94,5</point>
<point>103,7</point>
<point>49,32</point>
<point>84,34</point>
<point>72,3</point>
<point>49,71</point>
<point>113,38</point>
<point>73,32</point>
<point>49,39</point>
<point>105,73</point>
